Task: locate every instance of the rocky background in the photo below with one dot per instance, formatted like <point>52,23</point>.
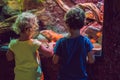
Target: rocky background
<point>51,16</point>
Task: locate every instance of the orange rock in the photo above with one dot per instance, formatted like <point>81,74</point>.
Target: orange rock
<point>93,40</point>
<point>99,34</point>
<point>51,35</point>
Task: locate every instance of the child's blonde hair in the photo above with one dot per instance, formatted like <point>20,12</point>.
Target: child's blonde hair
<point>23,21</point>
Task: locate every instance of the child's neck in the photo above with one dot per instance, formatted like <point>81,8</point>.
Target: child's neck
<point>75,33</point>
<point>24,37</point>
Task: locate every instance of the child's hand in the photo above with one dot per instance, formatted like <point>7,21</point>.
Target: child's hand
<point>97,47</point>
<point>51,45</point>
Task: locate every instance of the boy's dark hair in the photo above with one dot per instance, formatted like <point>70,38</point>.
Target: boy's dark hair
<point>74,18</point>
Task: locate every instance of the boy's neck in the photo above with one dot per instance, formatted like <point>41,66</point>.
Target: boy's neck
<point>75,33</point>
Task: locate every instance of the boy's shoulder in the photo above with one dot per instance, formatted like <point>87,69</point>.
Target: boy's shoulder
<point>62,39</point>
<point>84,37</point>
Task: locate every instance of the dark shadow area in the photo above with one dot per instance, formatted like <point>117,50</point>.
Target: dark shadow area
<point>6,68</point>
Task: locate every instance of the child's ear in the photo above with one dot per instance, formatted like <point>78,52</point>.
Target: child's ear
<point>27,30</point>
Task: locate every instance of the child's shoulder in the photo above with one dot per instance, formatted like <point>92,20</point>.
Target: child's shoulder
<point>14,41</point>
<point>36,41</point>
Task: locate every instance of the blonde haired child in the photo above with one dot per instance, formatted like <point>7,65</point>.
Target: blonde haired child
<point>23,49</point>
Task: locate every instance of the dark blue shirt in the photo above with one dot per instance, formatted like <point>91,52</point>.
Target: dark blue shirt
<point>72,53</point>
